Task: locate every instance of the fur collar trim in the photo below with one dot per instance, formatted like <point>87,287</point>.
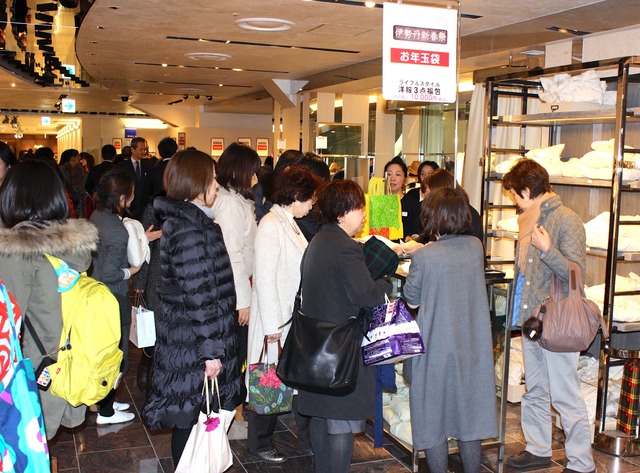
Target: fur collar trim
<point>35,238</point>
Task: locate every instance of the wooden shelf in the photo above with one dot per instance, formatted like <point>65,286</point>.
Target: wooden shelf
<point>578,181</point>
<point>622,255</point>
<point>583,117</point>
<point>497,233</point>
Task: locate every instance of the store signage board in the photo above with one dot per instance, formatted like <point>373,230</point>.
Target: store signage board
<point>68,106</point>
<point>217,147</point>
<point>262,147</point>
<point>71,69</point>
<point>419,55</point>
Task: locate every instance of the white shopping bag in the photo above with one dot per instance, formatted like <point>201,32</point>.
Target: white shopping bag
<point>207,449</point>
<point>143,325</point>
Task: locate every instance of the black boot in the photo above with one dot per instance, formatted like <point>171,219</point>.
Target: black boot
<point>143,376</point>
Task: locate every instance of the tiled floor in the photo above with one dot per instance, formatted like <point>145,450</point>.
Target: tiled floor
<point>132,448</point>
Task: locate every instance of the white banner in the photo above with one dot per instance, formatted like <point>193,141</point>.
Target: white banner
<point>419,53</point>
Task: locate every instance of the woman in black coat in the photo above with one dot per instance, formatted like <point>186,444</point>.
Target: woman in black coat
<point>195,321</point>
<point>335,284</point>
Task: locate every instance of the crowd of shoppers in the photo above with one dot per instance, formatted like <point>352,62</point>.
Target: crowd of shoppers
<point>233,242</point>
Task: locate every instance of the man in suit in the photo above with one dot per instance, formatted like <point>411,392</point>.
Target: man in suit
<point>153,182</point>
<point>138,167</point>
<point>108,155</point>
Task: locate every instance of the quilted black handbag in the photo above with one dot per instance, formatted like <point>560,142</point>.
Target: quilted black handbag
<point>320,356</point>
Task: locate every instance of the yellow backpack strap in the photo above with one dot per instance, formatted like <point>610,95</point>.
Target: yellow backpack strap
<point>67,277</point>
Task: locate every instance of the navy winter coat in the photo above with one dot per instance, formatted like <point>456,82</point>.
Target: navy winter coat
<point>196,319</point>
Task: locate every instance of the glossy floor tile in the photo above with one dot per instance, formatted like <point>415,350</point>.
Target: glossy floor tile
<point>131,447</point>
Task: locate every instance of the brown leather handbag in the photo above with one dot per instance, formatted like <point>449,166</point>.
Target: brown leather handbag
<point>566,325</point>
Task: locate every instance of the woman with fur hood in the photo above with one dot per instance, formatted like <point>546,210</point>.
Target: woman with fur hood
<point>34,210</point>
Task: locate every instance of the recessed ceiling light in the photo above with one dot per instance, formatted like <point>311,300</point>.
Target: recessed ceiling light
<point>190,89</point>
<point>567,31</point>
<point>265,24</point>
<point>533,52</point>
<point>208,56</point>
<point>370,4</point>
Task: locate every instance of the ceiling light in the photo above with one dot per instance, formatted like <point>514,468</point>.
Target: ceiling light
<point>567,31</point>
<point>208,56</point>
<point>370,4</point>
<point>265,24</point>
<point>164,65</point>
<point>185,96</point>
<point>148,123</point>
<point>209,97</point>
<point>533,52</point>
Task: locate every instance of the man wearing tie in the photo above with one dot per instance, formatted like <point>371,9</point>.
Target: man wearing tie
<point>138,166</point>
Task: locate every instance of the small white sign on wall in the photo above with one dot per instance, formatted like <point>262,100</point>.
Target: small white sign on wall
<point>321,142</point>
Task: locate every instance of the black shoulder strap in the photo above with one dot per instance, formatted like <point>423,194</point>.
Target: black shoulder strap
<point>298,301</point>
<point>34,335</point>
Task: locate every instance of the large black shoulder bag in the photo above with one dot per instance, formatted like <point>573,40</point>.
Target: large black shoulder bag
<point>322,357</point>
<point>565,324</point>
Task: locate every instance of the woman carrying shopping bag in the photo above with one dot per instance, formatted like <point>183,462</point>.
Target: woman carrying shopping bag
<point>195,320</point>
<point>279,246</point>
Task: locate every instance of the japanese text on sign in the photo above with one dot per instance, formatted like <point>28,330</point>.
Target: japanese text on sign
<point>423,35</point>
<point>427,58</point>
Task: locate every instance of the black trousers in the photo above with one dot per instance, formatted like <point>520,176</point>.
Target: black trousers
<point>261,427</point>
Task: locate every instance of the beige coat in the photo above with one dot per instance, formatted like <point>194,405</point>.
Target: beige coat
<point>237,219</point>
<point>276,278</point>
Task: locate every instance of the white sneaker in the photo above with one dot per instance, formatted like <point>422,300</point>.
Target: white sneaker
<point>121,406</point>
<point>117,418</point>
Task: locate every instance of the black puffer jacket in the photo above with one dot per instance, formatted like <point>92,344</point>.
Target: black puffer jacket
<point>195,320</point>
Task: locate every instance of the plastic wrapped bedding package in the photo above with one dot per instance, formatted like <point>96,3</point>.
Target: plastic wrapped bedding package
<point>596,164</point>
<point>586,87</point>
<point>396,411</point>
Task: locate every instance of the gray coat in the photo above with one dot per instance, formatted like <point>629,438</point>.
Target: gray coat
<point>335,284</point>
<point>452,389</point>
<point>30,277</point>
<point>568,243</point>
<point>111,258</point>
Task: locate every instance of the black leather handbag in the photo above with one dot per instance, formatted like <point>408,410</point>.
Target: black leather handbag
<point>322,357</point>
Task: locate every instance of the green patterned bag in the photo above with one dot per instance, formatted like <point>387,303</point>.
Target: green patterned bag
<point>267,394</point>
